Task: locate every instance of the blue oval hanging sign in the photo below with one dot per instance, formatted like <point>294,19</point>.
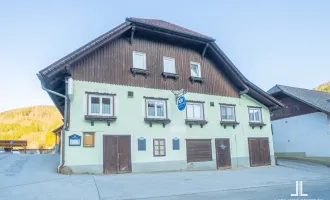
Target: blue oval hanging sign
<point>181,103</point>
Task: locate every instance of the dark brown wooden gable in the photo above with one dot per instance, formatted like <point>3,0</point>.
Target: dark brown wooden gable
<point>293,108</point>
<point>111,64</point>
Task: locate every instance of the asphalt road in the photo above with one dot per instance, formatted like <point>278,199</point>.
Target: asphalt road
<point>34,177</point>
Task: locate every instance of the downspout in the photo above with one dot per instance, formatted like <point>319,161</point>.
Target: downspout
<point>65,117</point>
<point>244,91</point>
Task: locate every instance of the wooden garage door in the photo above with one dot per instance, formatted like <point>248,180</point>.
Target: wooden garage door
<point>199,150</point>
<point>116,154</point>
<point>259,151</point>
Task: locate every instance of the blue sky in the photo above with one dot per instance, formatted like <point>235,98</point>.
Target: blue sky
<point>284,42</point>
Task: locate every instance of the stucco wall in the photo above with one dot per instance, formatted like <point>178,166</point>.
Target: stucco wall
<point>305,134</point>
<point>130,114</point>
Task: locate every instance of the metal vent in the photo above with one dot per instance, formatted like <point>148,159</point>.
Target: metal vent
<point>130,94</point>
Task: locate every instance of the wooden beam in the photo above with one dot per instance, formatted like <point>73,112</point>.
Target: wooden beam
<point>132,35</point>
<point>204,50</point>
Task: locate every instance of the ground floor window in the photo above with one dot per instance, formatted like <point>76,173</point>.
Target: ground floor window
<point>159,147</point>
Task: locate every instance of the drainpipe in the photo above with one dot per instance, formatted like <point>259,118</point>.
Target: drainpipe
<point>244,91</point>
<point>65,116</point>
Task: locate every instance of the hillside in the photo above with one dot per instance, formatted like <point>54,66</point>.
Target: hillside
<point>34,124</point>
<point>325,87</point>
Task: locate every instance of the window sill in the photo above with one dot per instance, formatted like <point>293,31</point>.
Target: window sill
<point>151,121</point>
<point>191,122</point>
<point>257,124</point>
<point>167,75</point>
<point>196,79</point>
<point>144,72</point>
<point>93,118</point>
<point>229,123</point>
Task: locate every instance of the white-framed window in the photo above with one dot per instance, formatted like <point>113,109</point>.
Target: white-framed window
<point>156,108</point>
<point>195,69</point>
<point>169,65</point>
<point>100,105</point>
<point>227,113</point>
<point>139,60</point>
<point>255,114</point>
<point>195,111</point>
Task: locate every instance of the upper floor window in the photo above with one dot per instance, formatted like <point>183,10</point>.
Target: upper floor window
<point>255,114</point>
<point>139,60</point>
<point>195,69</point>
<point>100,105</point>
<point>156,108</point>
<point>169,65</point>
<point>227,113</point>
<point>195,111</point>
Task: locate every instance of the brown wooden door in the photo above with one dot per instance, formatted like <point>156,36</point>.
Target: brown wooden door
<point>116,154</point>
<point>259,151</point>
<point>124,154</point>
<point>222,147</point>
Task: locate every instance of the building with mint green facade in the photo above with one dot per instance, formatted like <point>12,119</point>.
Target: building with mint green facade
<point>119,96</point>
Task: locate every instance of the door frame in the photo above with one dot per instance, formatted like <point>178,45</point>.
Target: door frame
<point>250,158</point>
<point>115,134</point>
<point>216,153</point>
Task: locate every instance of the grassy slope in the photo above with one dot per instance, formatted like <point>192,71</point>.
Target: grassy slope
<point>34,124</point>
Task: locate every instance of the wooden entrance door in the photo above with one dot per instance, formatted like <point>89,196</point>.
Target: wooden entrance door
<point>116,154</point>
<point>222,147</point>
<point>259,151</point>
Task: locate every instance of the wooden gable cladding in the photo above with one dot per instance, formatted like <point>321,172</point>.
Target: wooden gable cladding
<point>111,64</point>
<point>293,108</point>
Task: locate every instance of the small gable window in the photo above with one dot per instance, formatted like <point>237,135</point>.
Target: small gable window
<point>139,60</point>
<point>195,69</point>
<point>169,65</point>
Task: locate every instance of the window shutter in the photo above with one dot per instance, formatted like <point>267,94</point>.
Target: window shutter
<point>176,144</point>
<point>141,144</point>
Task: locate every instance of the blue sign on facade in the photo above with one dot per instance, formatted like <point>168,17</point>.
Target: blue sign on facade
<point>74,140</point>
<point>181,103</point>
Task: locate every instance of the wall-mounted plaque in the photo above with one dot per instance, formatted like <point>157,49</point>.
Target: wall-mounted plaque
<point>74,140</point>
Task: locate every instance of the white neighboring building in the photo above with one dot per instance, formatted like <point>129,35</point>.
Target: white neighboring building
<point>302,128</point>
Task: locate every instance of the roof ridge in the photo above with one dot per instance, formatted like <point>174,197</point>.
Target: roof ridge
<point>303,89</point>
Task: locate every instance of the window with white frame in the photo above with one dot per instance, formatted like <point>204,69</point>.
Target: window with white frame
<point>100,105</point>
<point>195,111</point>
<point>255,114</point>
<point>227,112</point>
<point>169,65</point>
<point>195,69</point>
<point>156,108</point>
<point>139,60</point>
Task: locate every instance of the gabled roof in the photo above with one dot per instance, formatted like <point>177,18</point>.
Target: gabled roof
<point>53,75</point>
<point>316,99</point>
<point>168,26</point>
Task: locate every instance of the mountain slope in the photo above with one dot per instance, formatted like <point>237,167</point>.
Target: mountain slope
<point>325,87</point>
<point>34,124</point>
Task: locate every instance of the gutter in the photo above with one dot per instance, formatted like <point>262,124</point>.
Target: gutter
<point>42,81</point>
